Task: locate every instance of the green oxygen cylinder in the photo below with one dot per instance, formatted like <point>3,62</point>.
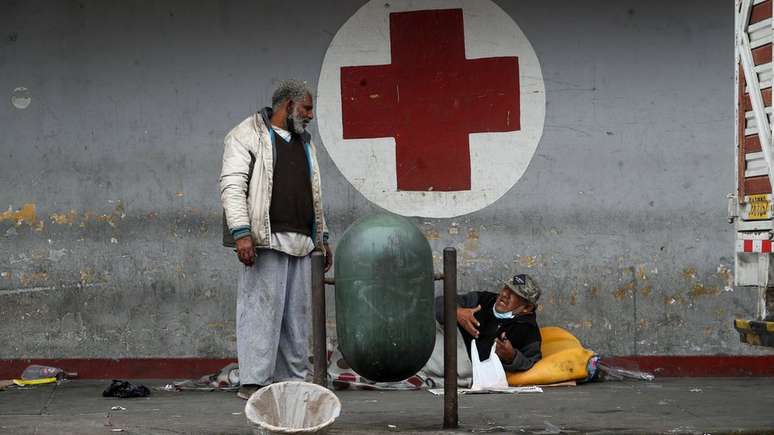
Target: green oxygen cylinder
<point>385,321</point>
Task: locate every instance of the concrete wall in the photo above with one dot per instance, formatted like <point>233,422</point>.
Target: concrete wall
<point>620,215</point>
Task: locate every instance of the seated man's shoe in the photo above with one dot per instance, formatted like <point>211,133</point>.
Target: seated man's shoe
<point>247,390</point>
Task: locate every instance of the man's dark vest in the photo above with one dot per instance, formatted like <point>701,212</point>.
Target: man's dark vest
<point>292,207</point>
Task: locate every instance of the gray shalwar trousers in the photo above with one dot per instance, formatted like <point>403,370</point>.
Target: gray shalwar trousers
<point>272,324</point>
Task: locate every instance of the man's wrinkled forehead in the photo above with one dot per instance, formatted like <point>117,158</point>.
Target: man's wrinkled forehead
<point>307,103</point>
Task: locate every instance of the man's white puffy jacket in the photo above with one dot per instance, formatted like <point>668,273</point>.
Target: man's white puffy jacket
<point>249,207</point>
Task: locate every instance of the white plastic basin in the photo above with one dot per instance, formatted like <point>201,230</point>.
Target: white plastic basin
<point>292,408</point>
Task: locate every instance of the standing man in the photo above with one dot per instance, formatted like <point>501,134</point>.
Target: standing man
<point>270,189</point>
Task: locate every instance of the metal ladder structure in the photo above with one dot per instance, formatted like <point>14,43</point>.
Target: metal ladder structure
<point>750,208</point>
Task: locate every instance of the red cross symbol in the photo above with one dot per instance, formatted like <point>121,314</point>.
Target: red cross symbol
<point>430,99</point>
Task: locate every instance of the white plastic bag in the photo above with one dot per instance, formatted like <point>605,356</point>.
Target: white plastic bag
<point>488,373</point>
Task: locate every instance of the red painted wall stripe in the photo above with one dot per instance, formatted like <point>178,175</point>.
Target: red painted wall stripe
<point>193,368</point>
<point>765,245</point>
<point>748,246</point>
<point>132,368</point>
<point>699,366</point>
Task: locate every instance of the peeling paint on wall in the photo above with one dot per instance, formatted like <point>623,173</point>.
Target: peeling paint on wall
<point>72,217</point>
<point>88,276</point>
<point>34,278</point>
<point>624,291</point>
<point>674,299</point>
<point>727,276</point>
<point>700,289</point>
<point>431,233</point>
<point>25,215</point>
<point>527,260</point>
<point>56,254</point>
<point>63,218</point>
<point>470,245</point>
<point>689,273</point>
<point>642,273</point>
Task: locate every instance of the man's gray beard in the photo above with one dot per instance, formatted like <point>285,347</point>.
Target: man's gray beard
<point>298,122</point>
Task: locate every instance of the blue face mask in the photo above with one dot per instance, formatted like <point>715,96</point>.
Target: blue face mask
<point>503,316</point>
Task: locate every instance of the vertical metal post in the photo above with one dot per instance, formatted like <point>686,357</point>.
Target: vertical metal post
<point>319,352</point>
<point>450,406</point>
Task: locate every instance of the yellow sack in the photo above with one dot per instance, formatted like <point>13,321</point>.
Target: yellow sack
<point>564,359</point>
<point>23,382</point>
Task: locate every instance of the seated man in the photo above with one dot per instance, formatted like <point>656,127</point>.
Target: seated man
<point>506,319</point>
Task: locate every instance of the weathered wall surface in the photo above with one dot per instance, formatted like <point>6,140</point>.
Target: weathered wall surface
<point>110,245</point>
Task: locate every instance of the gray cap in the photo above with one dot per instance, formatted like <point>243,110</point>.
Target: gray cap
<point>524,286</point>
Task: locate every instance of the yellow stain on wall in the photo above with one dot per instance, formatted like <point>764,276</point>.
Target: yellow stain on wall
<point>642,273</point>
<point>25,215</point>
<point>699,289</point>
<point>431,234</point>
<point>88,276</point>
<point>527,260</point>
<point>34,278</point>
<point>470,247</point>
<point>622,292</point>
<point>689,273</point>
<point>725,274</point>
<point>89,216</point>
<point>64,218</point>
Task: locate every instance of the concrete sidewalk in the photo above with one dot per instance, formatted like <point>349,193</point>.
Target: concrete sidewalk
<point>685,405</point>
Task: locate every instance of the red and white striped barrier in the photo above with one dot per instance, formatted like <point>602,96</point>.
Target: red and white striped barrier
<point>759,246</point>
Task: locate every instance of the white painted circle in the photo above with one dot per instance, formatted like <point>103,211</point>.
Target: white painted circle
<point>497,160</point>
<point>20,98</point>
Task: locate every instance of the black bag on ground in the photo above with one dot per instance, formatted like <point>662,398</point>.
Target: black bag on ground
<point>124,389</point>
